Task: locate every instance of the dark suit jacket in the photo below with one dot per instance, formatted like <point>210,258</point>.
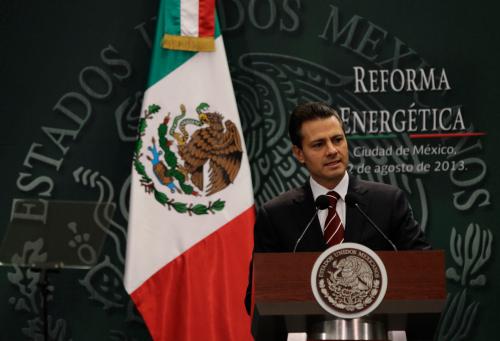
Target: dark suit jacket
<point>282,220</point>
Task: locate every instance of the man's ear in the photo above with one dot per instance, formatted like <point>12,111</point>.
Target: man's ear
<point>298,153</point>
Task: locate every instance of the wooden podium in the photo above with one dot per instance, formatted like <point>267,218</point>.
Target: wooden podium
<point>415,297</point>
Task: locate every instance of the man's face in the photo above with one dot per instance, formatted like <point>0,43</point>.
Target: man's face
<point>324,150</point>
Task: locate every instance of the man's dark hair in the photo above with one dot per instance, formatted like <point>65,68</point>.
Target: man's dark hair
<point>308,112</point>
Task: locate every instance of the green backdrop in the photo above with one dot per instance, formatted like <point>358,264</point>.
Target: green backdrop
<point>72,80</point>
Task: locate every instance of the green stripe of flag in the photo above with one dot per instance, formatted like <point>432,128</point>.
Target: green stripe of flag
<point>172,10</point>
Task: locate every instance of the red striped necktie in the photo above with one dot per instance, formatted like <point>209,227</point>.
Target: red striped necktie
<point>334,230</point>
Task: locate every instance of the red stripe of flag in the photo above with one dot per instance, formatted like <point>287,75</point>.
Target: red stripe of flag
<point>206,17</point>
<point>200,294</point>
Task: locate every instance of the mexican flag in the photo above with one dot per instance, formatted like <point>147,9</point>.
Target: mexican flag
<point>191,206</point>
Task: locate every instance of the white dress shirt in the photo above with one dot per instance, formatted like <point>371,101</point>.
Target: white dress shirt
<point>341,189</point>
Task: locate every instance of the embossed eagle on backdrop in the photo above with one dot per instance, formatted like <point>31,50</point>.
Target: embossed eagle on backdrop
<point>268,86</point>
<point>218,144</point>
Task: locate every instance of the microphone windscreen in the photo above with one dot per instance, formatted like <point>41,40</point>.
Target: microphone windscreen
<point>351,200</point>
<point>322,202</point>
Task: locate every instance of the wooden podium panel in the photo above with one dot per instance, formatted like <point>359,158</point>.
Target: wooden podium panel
<point>416,290</point>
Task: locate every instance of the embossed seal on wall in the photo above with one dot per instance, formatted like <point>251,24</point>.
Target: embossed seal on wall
<point>349,280</point>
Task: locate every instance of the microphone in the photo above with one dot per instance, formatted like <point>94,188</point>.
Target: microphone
<point>321,203</point>
<point>352,201</point>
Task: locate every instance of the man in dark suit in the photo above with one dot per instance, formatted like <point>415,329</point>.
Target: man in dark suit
<point>319,143</point>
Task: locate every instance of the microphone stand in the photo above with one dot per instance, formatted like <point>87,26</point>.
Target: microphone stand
<point>305,230</point>
<point>372,223</point>
<point>43,284</point>
<point>321,203</point>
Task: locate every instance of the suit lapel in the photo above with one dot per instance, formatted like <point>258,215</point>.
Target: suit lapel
<point>354,220</point>
<point>304,210</point>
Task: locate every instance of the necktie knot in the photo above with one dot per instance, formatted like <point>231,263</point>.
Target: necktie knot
<point>333,197</point>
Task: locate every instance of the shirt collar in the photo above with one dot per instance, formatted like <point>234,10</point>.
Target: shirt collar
<point>341,187</point>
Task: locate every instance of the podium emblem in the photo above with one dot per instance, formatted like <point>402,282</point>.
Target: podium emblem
<point>349,280</point>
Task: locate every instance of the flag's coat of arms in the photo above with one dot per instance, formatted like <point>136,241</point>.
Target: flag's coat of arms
<point>214,145</point>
